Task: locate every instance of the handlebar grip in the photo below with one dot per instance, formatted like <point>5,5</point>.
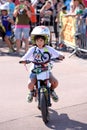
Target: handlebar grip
<point>24,62</point>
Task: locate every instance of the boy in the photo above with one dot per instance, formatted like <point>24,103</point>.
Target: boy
<point>6,22</point>
<point>40,37</point>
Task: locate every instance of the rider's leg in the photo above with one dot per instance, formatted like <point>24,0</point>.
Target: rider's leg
<point>31,85</point>
<point>53,81</point>
<point>54,84</point>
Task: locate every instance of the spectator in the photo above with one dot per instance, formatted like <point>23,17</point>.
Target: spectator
<point>16,2</point>
<point>22,15</point>
<point>3,1</point>
<point>11,6</point>
<point>74,6</point>
<point>6,23</point>
<point>67,3</point>
<point>55,25</point>
<point>61,13</point>
<point>46,13</point>
<point>33,18</point>
<point>0,3</point>
<point>84,17</point>
<point>84,3</point>
<point>38,5</point>
<point>85,11</point>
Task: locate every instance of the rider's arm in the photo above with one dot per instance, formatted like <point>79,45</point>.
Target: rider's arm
<point>55,53</point>
<point>29,55</point>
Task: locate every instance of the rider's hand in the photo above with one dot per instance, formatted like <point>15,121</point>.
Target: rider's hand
<point>22,62</point>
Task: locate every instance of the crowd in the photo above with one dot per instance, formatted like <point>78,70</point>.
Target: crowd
<point>19,17</point>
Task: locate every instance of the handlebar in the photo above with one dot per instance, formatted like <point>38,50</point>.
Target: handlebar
<point>41,63</point>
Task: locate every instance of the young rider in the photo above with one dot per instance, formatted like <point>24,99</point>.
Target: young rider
<point>40,37</point>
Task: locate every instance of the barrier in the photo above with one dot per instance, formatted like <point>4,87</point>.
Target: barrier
<point>74,34</point>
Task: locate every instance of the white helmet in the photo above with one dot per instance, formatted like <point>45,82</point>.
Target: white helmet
<point>41,31</point>
<point>4,7</point>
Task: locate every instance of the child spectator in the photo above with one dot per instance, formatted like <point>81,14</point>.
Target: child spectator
<point>6,23</point>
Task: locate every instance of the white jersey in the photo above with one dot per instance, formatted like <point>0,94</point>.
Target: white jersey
<point>34,53</point>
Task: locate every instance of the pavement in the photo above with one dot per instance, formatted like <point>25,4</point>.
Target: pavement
<point>3,47</point>
<point>4,50</point>
<point>70,113</point>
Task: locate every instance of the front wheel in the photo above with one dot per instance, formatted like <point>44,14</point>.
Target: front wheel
<point>44,107</point>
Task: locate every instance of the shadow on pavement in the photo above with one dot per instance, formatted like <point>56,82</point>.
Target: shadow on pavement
<point>63,122</point>
<point>13,54</point>
<point>4,50</point>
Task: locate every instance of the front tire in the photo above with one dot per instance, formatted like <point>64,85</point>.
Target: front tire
<point>44,107</point>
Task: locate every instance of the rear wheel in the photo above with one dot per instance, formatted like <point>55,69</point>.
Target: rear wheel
<point>44,107</point>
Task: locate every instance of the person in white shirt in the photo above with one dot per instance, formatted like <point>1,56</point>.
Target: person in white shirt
<point>40,37</point>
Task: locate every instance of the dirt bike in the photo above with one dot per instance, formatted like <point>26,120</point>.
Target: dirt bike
<point>42,89</point>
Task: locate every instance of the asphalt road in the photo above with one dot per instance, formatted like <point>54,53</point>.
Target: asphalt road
<point>70,113</point>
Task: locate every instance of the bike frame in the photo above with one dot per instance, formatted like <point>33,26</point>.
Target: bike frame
<point>43,85</point>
